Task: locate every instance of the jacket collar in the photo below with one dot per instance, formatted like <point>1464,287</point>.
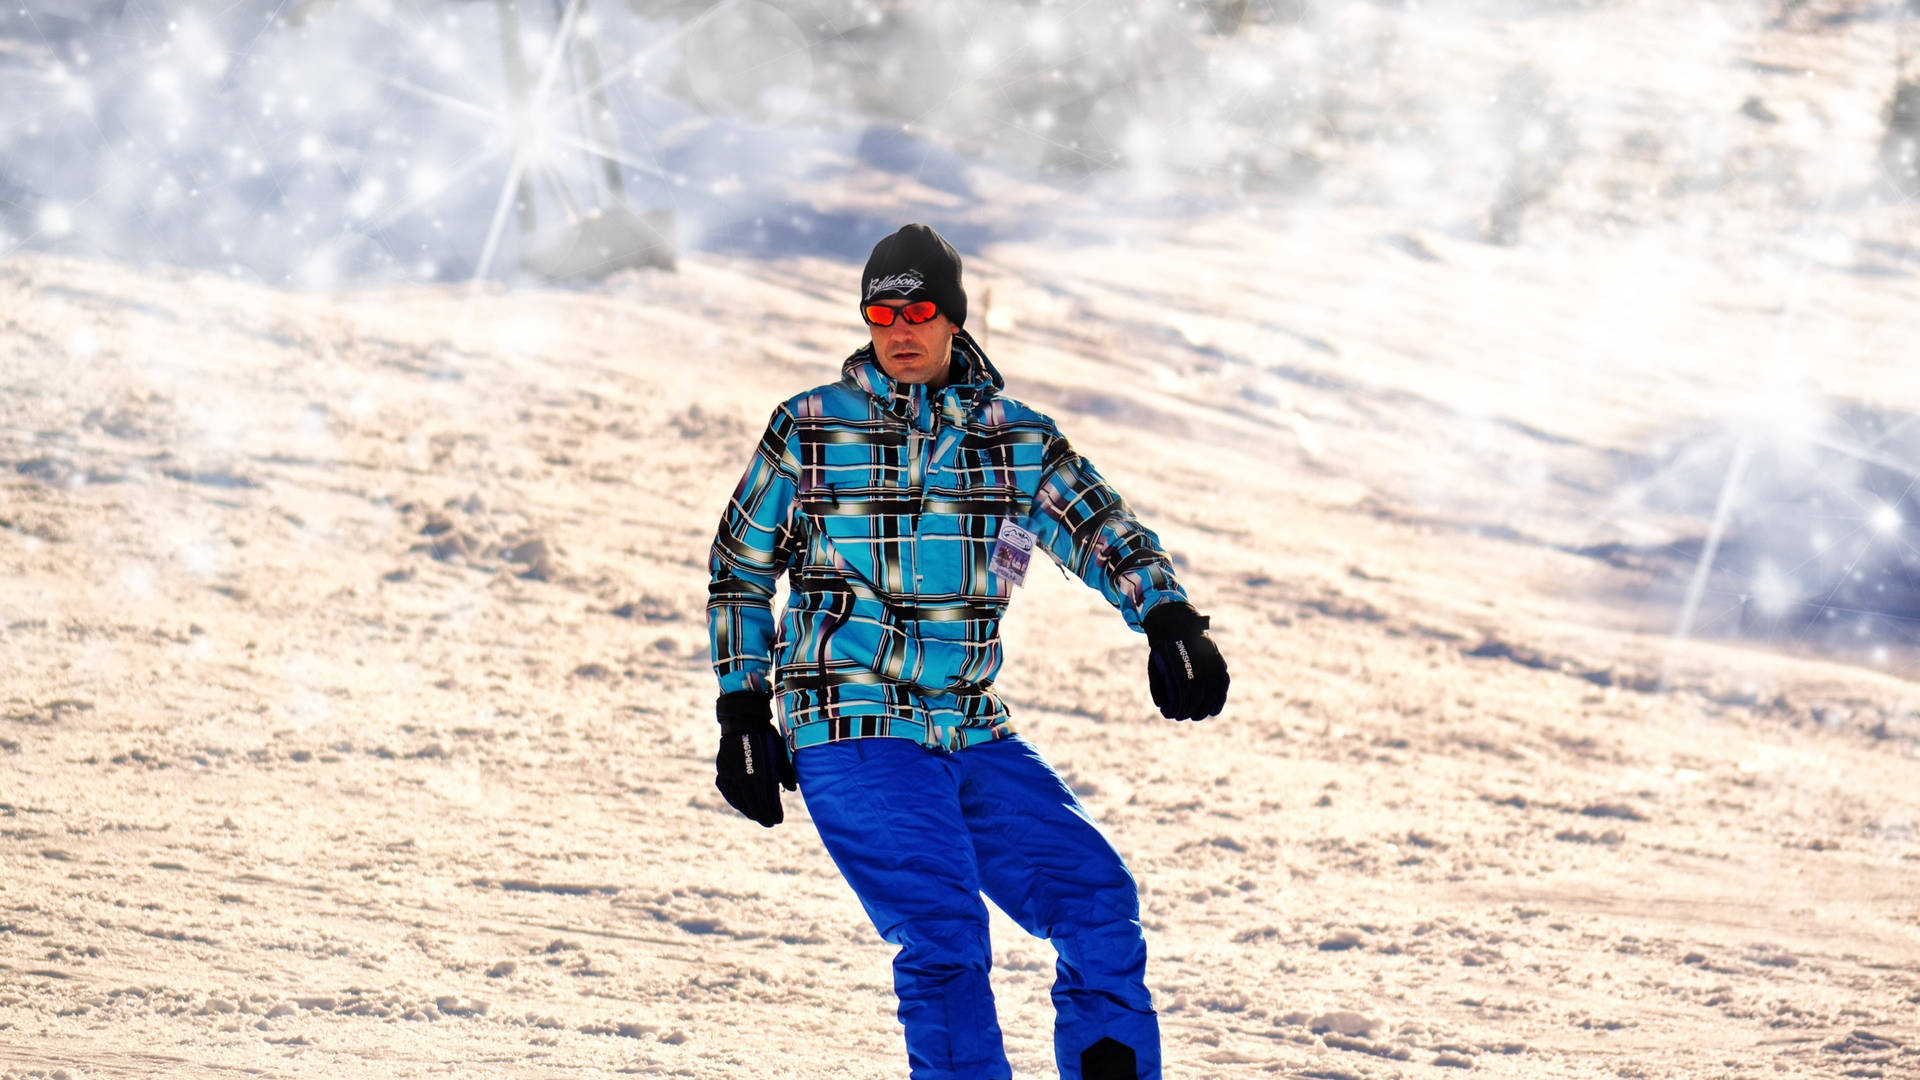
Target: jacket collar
<point>976,381</point>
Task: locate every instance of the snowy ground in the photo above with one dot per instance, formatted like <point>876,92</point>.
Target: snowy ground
<point>355,708</point>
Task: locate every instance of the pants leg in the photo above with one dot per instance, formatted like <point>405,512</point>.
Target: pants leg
<point>888,811</point>
<point>1046,864</point>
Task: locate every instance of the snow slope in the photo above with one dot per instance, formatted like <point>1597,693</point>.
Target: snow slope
<point>354,703</point>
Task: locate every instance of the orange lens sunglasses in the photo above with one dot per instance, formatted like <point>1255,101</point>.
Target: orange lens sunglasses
<point>915,313</point>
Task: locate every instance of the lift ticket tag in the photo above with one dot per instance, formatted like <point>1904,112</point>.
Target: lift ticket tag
<point>1011,552</point>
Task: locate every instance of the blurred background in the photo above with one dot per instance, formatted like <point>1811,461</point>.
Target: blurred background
<point>314,142</point>
<point>350,144</point>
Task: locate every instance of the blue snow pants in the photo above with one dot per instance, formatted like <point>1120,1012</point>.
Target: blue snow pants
<point>920,833</point>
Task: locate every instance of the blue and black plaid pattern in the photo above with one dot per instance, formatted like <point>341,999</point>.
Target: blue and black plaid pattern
<point>881,503</point>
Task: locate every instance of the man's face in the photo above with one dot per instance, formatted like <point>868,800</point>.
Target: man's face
<point>914,354</point>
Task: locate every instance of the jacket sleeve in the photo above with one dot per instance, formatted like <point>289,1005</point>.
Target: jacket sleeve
<point>754,545</point>
<point>1089,529</point>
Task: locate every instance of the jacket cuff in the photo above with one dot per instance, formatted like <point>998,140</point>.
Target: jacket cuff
<point>745,678</point>
<point>1153,596</point>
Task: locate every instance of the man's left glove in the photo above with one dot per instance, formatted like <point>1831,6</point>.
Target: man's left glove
<point>1185,670</point>
<point>752,764</point>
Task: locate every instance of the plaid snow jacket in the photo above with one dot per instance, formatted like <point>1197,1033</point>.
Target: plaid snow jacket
<point>882,502</point>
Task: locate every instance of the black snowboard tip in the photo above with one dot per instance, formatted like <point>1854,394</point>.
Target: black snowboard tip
<point>1108,1059</point>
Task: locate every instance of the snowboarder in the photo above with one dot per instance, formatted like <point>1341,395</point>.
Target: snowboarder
<point>903,502</point>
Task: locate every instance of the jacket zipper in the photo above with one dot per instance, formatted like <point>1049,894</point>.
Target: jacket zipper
<point>917,481</point>
<point>917,473</point>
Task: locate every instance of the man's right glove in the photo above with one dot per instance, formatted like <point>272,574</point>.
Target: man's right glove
<point>1185,671</point>
<point>752,764</point>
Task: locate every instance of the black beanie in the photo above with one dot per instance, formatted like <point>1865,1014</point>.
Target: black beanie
<point>916,263</point>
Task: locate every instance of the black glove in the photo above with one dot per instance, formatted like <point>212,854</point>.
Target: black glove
<point>1185,670</point>
<point>752,764</point>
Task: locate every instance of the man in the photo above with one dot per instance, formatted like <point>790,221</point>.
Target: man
<point>902,502</point>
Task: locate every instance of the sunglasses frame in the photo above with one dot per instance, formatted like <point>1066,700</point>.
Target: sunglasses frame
<point>900,313</point>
